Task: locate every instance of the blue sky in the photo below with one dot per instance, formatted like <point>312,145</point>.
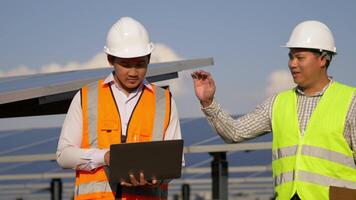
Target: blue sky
<point>244,37</point>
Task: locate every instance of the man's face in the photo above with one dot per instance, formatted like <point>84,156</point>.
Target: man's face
<point>306,67</point>
<point>130,72</point>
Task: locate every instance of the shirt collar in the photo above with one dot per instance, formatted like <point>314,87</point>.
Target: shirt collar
<point>111,80</point>
<point>320,93</point>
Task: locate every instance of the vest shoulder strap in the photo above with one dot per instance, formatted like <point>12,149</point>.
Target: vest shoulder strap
<point>160,114</point>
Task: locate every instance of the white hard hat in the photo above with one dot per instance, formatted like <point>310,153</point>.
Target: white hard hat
<point>128,38</point>
<point>312,35</point>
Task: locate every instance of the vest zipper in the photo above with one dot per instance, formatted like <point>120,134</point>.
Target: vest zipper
<point>123,138</point>
<point>132,113</point>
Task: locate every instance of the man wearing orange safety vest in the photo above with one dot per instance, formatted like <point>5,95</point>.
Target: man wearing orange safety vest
<point>122,108</point>
<point>313,125</point>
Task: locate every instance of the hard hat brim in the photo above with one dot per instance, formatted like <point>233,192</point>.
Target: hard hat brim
<point>128,53</point>
<point>307,47</point>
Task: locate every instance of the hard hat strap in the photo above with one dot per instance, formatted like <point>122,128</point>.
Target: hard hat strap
<point>320,52</point>
<point>327,55</point>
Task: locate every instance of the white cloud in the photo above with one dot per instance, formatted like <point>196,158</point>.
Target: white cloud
<point>279,80</point>
<point>161,53</point>
<point>22,70</point>
<point>97,61</point>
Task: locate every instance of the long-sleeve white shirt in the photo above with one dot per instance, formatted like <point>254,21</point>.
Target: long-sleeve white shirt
<point>69,151</point>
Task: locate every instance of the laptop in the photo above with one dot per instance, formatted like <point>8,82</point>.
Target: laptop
<point>159,159</point>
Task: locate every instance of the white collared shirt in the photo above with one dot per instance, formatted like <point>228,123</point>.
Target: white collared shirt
<point>69,153</point>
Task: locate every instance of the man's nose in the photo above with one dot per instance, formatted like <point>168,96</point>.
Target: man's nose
<point>292,63</point>
<point>133,71</point>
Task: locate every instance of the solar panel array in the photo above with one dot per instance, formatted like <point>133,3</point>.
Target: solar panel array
<point>249,177</point>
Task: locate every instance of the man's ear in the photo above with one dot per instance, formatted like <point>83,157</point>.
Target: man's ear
<point>110,59</point>
<point>149,58</point>
<point>323,61</point>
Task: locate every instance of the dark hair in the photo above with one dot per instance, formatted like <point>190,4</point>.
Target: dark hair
<point>327,54</point>
<point>112,58</point>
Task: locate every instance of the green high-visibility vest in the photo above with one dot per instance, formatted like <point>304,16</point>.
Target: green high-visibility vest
<point>311,163</point>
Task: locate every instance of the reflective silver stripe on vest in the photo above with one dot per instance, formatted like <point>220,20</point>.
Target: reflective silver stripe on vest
<point>159,114</point>
<point>328,155</point>
<point>284,177</point>
<point>93,113</point>
<point>92,187</point>
<point>313,178</point>
<point>324,180</point>
<point>315,152</point>
<point>284,152</point>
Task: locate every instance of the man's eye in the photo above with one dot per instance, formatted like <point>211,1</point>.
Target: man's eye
<point>125,65</point>
<point>140,64</point>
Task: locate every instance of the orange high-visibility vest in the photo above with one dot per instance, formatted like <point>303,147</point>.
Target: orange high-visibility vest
<point>102,127</point>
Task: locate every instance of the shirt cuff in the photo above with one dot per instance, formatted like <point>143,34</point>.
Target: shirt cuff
<point>211,110</point>
<point>98,157</point>
<point>94,158</point>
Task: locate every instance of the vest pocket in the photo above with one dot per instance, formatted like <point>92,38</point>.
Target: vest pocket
<point>109,126</point>
<point>109,133</point>
<point>145,138</point>
<point>139,137</point>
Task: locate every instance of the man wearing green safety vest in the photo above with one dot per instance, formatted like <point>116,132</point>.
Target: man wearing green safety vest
<point>313,125</point>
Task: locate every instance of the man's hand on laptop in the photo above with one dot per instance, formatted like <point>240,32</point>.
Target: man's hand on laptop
<point>141,182</point>
<point>107,158</point>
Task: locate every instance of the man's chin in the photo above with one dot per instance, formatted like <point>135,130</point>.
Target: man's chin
<point>132,85</point>
<point>298,82</point>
